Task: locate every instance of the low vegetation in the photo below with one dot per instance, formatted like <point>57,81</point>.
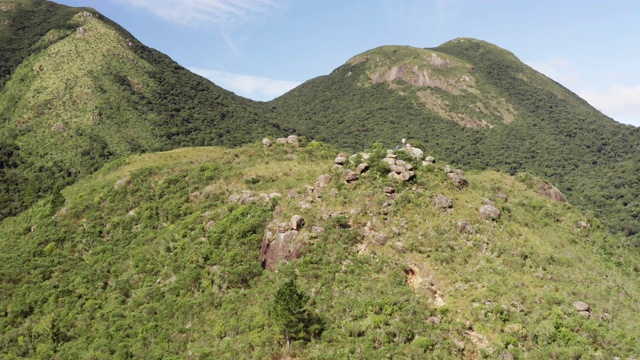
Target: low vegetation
<point>150,258</point>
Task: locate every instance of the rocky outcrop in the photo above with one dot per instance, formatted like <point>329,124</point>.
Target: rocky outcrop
<point>362,168</point>
<point>551,192</point>
<point>266,142</point>
<point>279,244</point>
<point>400,169</point>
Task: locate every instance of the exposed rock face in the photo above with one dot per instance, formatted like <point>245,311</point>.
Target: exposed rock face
<point>583,224</point>
<point>443,202</point>
<point>551,192</point>
<point>380,239</point>
<point>266,142</point>
<point>120,183</point>
<point>281,140</point>
<point>581,306</point>
<point>278,247</point>
<point>489,212</point>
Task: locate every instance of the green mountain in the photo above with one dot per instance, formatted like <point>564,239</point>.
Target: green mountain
<point>165,255</point>
<point>477,106</point>
<point>76,90</point>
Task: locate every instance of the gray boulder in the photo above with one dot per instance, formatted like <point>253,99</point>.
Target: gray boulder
<point>489,212</point>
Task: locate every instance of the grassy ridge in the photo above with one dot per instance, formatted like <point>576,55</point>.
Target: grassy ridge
<point>151,257</point>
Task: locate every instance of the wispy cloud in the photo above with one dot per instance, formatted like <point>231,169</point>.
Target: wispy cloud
<point>620,102</point>
<point>193,12</point>
<point>252,87</point>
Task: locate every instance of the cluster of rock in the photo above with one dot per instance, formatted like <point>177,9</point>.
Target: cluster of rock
<point>583,308</point>
<point>456,176</point>
<point>351,175</point>
<point>400,169</point>
<point>291,140</point>
<point>247,197</point>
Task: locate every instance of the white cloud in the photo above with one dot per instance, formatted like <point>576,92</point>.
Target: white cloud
<point>560,70</point>
<point>192,12</point>
<point>620,102</point>
<point>252,87</point>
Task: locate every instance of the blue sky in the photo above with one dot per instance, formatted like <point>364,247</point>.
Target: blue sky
<point>262,48</point>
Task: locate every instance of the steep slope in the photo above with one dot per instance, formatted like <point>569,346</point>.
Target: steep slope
<point>159,255</point>
<point>478,106</point>
<point>77,90</point>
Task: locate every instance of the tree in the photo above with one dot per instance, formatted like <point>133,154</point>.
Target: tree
<point>292,316</point>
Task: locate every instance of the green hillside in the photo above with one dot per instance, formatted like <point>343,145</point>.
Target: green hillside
<point>479,107</point>
<point>158,256</point>
<point>76,90</point>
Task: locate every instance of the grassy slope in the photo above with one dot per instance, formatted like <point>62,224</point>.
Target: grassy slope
<point>82,91</point>
<point>124,267</point>
<point>554,134</point>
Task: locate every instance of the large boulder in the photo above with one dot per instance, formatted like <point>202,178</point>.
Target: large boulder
<point>458,179</point>
<point>296,222</point>
<point>323,180</point>
<point>350,176</point>
<point>415,153</point>
<point>443,203</point>
<point>489,212</point>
